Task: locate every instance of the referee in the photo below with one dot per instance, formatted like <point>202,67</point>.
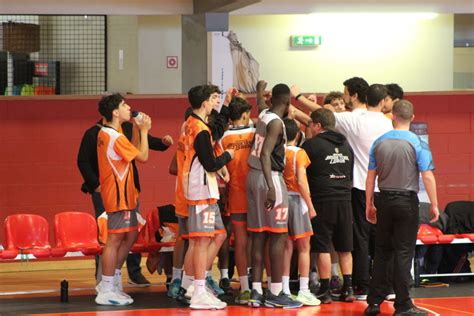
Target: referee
<point>397,158</point>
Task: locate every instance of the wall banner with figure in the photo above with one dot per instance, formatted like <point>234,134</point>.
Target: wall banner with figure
<point>230,64</point>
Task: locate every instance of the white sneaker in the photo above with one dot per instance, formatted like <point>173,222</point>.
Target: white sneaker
<point>111,298</point>
<point>118,288</point>
<point>206,301</point>
<point>307,298</point>
<point>123,295</point>
<point>189,291</point>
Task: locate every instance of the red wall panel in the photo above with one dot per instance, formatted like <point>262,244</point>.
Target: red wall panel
<point>40,139</point>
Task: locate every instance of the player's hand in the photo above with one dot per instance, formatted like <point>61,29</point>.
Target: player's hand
<point>312,97</point>
<point>167,140</point>
<point>291,112</point>
<point>371,214</point>
<point>146,123</point>
<point>434,214</point>
<point>229,94</point>
<point>312,213</point>
<point>270,201</point>
<point>295,90</point>
<point>261,86</point>
<point>231,152</point>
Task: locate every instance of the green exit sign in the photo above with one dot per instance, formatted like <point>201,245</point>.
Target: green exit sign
<point>305,40</point>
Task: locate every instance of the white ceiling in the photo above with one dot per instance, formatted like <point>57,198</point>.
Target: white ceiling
<point>175,7</point>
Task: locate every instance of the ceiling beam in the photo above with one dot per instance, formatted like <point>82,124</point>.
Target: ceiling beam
<point>204,6</point>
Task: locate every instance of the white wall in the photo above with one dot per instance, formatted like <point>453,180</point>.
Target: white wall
<point>122,36</point>
<point>159,37</point>
<point>414,51</point>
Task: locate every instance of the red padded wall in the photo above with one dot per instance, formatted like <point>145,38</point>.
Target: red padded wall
<point>40,139</point>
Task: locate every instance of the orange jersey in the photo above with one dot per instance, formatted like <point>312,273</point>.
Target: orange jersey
<point>180,200</point>
<point>240,139</point>
<point>117,187</point>
<point>199,185</point>
<point>295,159</point>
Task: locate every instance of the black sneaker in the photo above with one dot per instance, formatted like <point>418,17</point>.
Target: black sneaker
<point>412,311</point>
<point>225,285</point>
<point>256,299</point>
<point>181,298</point>
<point>324,297</point>
<point>372,310</point>
<point>344,295</point>
<point>138,279</point>
<point>361,294</point>
<point>281,301</point>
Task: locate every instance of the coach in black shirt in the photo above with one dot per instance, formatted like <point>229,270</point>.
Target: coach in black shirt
<point>330,184</point>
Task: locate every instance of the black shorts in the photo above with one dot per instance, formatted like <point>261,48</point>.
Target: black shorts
<point>332,224</point>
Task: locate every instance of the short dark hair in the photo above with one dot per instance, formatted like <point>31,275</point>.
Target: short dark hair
<point>403,109</point>
<point>237,107</point>
<point>324,117</point>
<point>291,129</point>
<point>394,91</point>
<point>108,104</point>
<point>375,94</point>
<point>333,95</point>
<point>281,94</point>
<point>357,85</point>
<point>198,94</point>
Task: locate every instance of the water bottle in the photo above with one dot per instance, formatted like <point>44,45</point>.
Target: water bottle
<point>138,117</point>
<point>64,291</point>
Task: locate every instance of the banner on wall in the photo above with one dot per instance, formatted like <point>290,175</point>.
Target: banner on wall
<point>421,129</point>
<point>231,64</point>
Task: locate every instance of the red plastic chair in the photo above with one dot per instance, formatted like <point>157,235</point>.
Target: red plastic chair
<point>428,234</point>
<point>26,234</point>
<point>75,231</point>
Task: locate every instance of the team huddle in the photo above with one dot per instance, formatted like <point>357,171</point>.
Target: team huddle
<point>290,185</point>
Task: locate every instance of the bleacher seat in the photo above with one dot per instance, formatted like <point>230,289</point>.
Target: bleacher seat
<point>26,234</point>
<point>75,231</point>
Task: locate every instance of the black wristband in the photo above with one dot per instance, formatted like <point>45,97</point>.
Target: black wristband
<point>298,96</point>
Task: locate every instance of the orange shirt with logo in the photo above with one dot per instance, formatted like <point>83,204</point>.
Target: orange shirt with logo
<point>240,140</point>
<point>117,187</point>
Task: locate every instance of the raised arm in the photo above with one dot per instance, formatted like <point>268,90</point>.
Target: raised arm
<point>308,104</point>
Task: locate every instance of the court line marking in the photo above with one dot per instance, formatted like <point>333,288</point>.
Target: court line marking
<point>446,308</point>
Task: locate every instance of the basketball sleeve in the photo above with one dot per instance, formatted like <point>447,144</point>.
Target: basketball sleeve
<point>125,149</point>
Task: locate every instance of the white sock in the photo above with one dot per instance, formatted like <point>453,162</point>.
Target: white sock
<point>276,288</point>
<point>107,283</point>
<point>187,281</point>
<point>176,274</point>
<point>199,287</point>
<point>257,286</point>
<point>224,274</point>
<point>285,280</point>
<point>334,269</point>
<point>304,283</point>
<point>244,283</point>
<point>269,282</point>
<point>118,275</point>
